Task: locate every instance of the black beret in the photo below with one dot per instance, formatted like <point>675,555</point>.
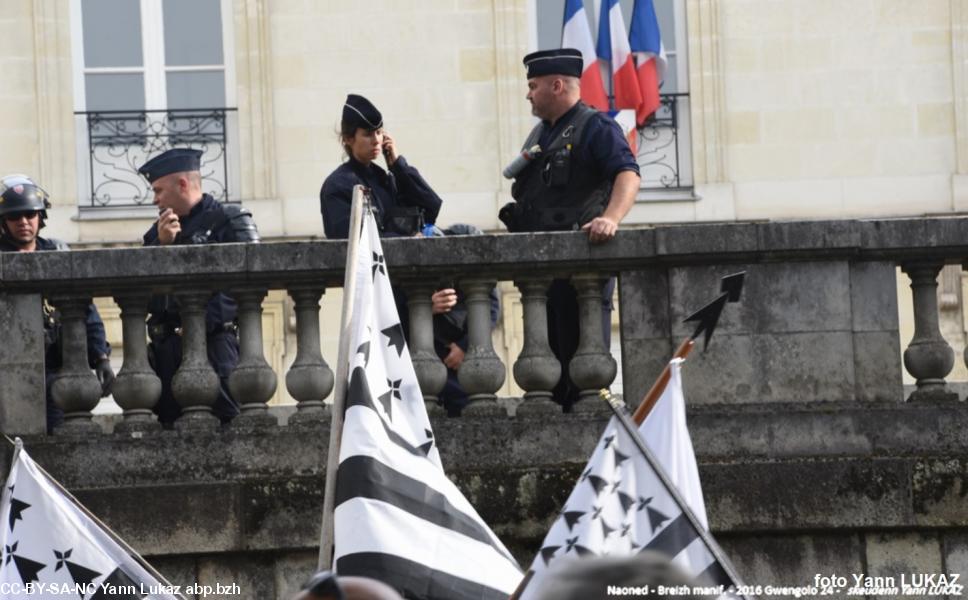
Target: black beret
<point>171,161</point>
<point>560,61</point>
<point>360,113</point>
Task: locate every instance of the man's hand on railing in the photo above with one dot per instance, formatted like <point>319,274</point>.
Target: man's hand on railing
<point>600,229</point>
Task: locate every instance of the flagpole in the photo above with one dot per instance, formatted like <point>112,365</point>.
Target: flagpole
<point>18,447</point>
<point>708,316</point>
<point>342,372</point>
<point>622,416</point>
<point>655,392</point>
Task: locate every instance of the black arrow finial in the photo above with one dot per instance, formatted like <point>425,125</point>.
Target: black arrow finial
<point>708,316</point>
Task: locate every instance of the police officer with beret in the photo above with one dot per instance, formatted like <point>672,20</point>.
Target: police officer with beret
<point>23,213</point>
<point>582,177</point>
<point>402,200</point>
<point>187,216</point>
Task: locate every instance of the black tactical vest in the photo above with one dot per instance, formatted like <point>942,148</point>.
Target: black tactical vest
<point>558,190</point>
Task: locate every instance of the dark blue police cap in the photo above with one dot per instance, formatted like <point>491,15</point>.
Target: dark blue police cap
<point>560,61</point>
<point>171,161</point>
<point>360,113</point>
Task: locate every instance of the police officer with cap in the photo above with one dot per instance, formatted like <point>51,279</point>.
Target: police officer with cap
<point>583,177</point>
<point>23,213</point>
<point>402,200</point>
<point>186,217</point>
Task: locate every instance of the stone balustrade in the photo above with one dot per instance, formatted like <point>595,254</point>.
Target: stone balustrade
<point>812,459</point>
<point>818,319</point>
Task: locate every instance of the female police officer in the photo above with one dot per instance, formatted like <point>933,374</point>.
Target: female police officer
<point>402,199</point>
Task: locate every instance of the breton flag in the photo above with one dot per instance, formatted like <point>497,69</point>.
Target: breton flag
<point>613,47</point>
<point>665,432</point>
<point>52,549</point>
<point>650,57</point>
<point>398,517</point>
<point>577,34</point>
<point>621,505</point>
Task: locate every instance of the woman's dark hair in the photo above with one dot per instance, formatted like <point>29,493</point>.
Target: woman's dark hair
<point>346,130</point>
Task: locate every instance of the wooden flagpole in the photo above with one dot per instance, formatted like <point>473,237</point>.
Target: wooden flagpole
<point>342,372</point>
<point>655,392</point>
<point>708,317</point>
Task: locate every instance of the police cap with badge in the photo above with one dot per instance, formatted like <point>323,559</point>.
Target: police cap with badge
<point>560,61</point>
<point>206,228</point>
<point>360,113</point>
<point>176,160</point>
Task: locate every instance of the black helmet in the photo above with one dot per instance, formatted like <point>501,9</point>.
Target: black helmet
<point>19,193</point>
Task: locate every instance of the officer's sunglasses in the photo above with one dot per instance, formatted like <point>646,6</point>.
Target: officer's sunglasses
<point>27,214</point>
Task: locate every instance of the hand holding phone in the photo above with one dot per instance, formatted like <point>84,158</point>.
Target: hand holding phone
<point>168,226</point>
<point>389,149</point>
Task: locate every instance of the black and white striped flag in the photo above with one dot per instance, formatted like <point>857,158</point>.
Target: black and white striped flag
<point>398,517</point>
<point>624,503</point>
<point>52,549</point>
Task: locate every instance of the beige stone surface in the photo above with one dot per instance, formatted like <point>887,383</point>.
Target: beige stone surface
<point>820,109</point>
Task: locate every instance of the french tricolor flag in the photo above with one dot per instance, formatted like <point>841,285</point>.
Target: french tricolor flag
<point>613,46</point>
<point>576,34</point>
<point>650,58</point>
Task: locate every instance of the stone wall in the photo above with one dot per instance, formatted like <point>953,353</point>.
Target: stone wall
<point>812,461</point>
<point>788,101</point>
<point>839,489</point>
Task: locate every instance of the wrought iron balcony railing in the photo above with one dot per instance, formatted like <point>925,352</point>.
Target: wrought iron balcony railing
<point>664,146</point>
<point>119,141</point>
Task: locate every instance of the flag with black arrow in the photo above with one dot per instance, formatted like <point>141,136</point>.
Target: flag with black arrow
<point>627,501</point>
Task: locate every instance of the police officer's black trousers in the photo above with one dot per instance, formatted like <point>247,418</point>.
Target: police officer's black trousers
<point>563,332</point>
<point>223,355</point>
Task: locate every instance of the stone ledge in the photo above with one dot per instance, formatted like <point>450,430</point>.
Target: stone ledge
<point>520,503</point>
<point>276,263</point>
<point>720,433</point>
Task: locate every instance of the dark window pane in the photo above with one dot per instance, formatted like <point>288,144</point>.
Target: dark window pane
<point>670,84</point>
<point>550,19</point>
<point>665,13</point>
<point>114,91</point>
<point>112,33</point>
<point>196,89</point>
<point>193,32</point>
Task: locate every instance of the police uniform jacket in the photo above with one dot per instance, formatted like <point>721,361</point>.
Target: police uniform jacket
<point>401,187</point>
<point>97,344</point>
<point>209,222</point>
<point>570,182</point>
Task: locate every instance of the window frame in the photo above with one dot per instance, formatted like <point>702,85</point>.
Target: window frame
<point>154,77</point>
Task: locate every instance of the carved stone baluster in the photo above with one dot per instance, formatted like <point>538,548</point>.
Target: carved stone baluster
<point>309,379</point>
<point>195,385</point>
<point>928,358</point>
<point>253,382</point>
<point>137,388</point>
<point>482,372</point>
<point>76,389</point>
<point>431,372</point>
<point>536,370</point>
<point>592,367</point>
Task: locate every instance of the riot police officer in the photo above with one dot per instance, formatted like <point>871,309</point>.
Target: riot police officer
<point>583,177</point>
<point>23,213</point>
<point>402,200</point>
<point>187,216</point>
